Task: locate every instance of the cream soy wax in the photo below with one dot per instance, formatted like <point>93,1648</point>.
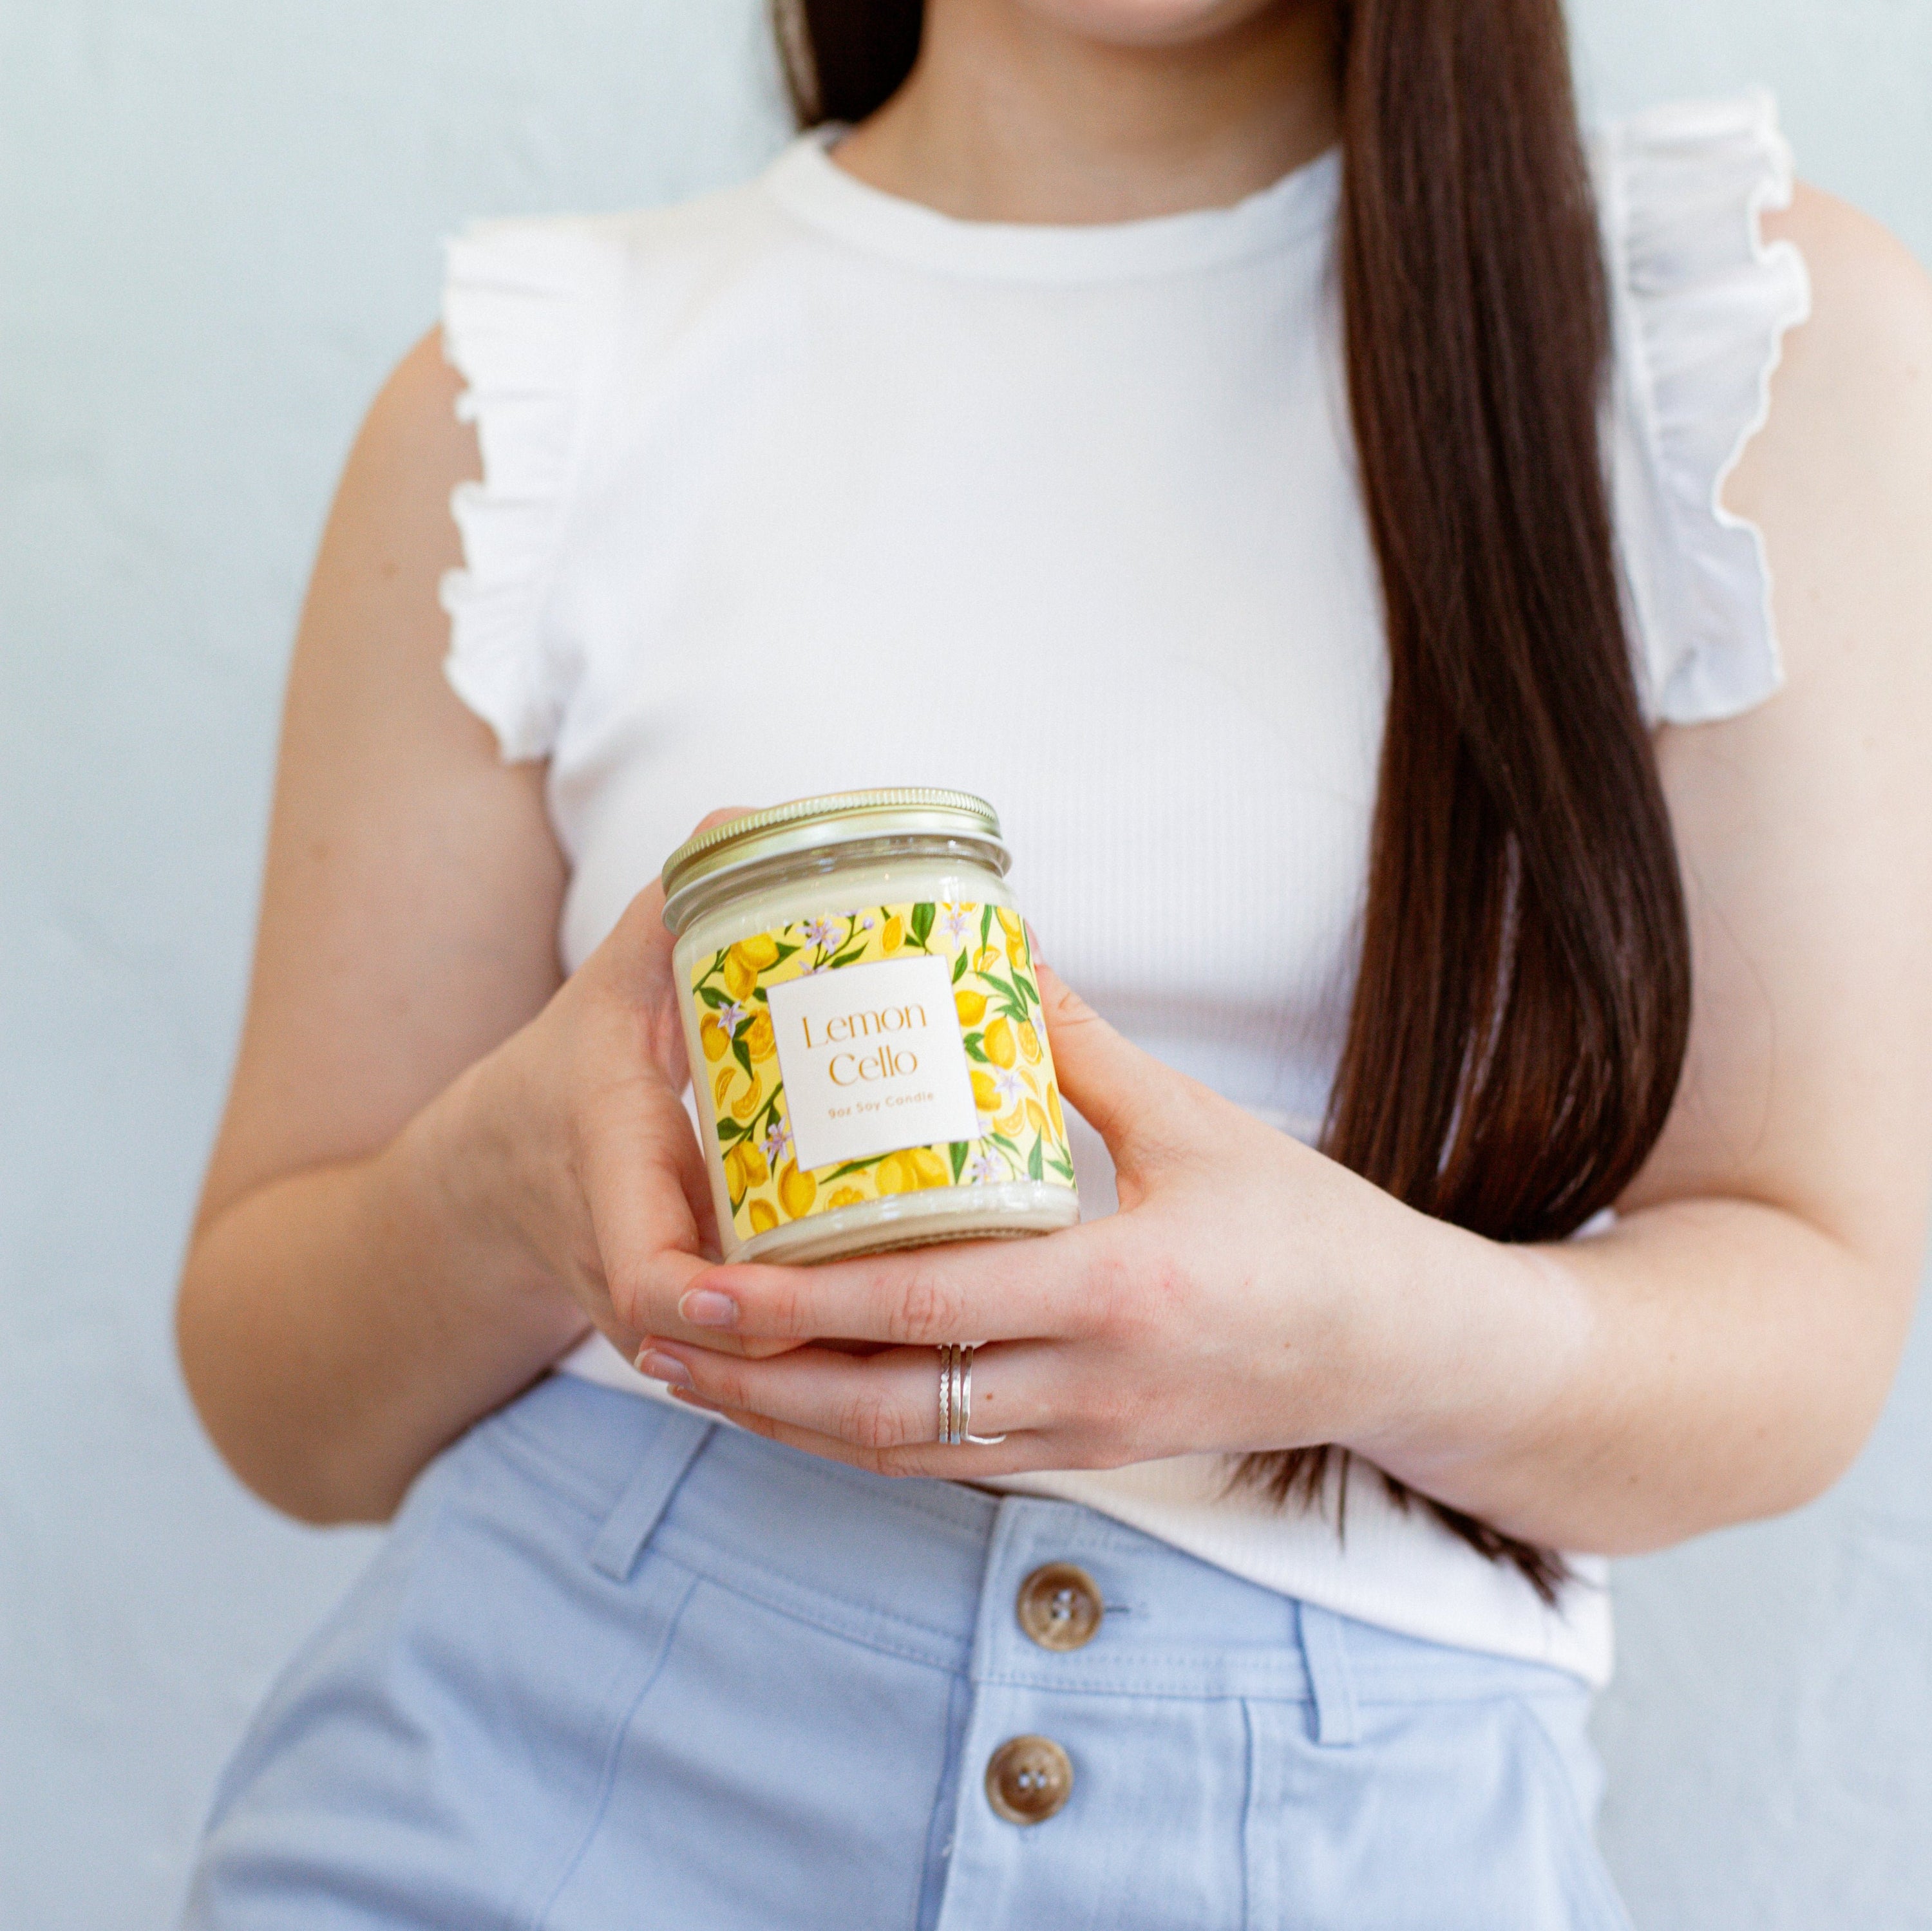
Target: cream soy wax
<point>868,1052</point>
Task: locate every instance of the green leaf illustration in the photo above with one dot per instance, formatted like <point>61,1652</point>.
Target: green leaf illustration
<point>959,967</point>
<point>922,917</point>
<point>958,1150</point>
<point>742,1053</point>
<point>825,1176</point>
<point>1036,1162</point>
<point>975,1049</point>
<point>985,925</point>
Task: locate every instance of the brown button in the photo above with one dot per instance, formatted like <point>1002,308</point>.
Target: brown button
<point>1029,1779</point>
<point>1059,1607</point>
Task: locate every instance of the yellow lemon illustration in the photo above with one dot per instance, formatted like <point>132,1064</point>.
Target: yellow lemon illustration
<point>745,1168</point>
<point>971,1006</point>
<point>745,961</point>
<point>1015,932</point>
<point>927,1165</point>
<point>764,1216</point>
<point>907,1172</point>
<point>746,1104</point>
<point>987,959</point>
<point>796,1191</point>
<point>1000,1047</point>
<point>1029,1043</point>
<point>895,932</point>
<point>844,1197</point>
<point>759,1041</point>
<point>721,1086</point>
<point>1011,1124</point>
<point>717,1041</point>
<point>986,1094</point>
<point>1053,1108</point>
<point>1036,1116</point>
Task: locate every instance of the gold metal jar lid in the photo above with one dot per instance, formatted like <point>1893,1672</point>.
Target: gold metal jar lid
<point>815,824</point>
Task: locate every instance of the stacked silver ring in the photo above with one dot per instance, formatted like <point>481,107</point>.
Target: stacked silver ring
<point>956,1399</point>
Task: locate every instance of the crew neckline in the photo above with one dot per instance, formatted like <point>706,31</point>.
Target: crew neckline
<point>808,182</point>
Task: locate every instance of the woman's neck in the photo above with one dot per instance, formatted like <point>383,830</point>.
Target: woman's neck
<point>1010,116</point>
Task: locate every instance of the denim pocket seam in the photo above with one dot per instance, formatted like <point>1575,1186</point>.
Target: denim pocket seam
<point>854,1623</point>
<point>1586,1861</point>
<point>524,1450</point>
<point>521,1917</point>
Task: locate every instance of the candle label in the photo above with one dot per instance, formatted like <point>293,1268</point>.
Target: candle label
<point>860,1054</point>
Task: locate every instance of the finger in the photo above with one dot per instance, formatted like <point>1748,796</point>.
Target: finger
<point>978,1291</point>
<point>874,1402</point>
<point>1019,1454</point>
<point>637,1184</point>
<point>1121,1091</point>
<point>724,815</point>
<point>637,953</point>
<point>652,1245</point>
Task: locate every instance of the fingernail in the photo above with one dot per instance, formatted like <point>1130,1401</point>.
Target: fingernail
<point>663,1368</point>
<point>705,1307</point>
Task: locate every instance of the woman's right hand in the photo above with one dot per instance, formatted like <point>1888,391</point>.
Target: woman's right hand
<point>583,1157</point>
<point>437,1168</point>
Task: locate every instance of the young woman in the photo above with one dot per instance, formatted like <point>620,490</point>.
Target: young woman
<point>1453,668</point>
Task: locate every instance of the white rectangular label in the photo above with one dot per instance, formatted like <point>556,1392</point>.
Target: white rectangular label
<point>872,1060</point>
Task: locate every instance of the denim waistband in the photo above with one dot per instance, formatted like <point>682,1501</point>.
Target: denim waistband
<point>931,1571</point>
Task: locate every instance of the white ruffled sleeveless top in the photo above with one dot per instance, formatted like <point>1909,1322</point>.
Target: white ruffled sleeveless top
<point>799,488</point>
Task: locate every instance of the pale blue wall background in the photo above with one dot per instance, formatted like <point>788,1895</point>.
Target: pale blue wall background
<point>218,222</point>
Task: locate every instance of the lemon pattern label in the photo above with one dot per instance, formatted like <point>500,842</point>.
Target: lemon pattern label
<point>1018,1128</point>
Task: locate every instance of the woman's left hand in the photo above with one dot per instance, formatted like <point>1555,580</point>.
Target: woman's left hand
<point>1244,1297</point>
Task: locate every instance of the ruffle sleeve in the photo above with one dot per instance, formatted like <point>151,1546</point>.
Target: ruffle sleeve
<point>1701,306</point>
<point>519,300</point>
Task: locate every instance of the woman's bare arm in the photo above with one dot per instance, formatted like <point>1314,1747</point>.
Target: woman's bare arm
<point>1734,1336</point>
<point>408,919</point>
<point>407,1216</point>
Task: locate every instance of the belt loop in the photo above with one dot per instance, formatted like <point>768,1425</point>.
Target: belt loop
<point>678,1442</point>
<point>1324,1651</point>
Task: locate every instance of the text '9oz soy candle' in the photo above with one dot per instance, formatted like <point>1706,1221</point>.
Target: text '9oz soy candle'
<point>867,1053</point>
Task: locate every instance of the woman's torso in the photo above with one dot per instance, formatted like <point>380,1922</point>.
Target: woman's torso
<point>800,488</point>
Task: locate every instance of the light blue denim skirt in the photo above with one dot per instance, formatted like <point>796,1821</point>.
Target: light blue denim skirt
<point>617,1667</point>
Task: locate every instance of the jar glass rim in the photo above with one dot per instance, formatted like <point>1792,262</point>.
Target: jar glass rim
<point>827,821</point>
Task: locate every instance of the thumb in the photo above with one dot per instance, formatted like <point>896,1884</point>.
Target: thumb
<point>640,953</point>
<point>1118,1089</point>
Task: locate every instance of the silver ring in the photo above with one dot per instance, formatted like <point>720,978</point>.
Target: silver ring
<point>955,1400</point>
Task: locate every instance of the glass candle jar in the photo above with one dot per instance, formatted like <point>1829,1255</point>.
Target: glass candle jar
<point>868,1054</point>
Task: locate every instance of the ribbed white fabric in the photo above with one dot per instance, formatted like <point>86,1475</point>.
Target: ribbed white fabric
<point>799,488</point>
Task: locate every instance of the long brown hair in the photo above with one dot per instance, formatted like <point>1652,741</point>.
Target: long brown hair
<point>1524,991</point>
